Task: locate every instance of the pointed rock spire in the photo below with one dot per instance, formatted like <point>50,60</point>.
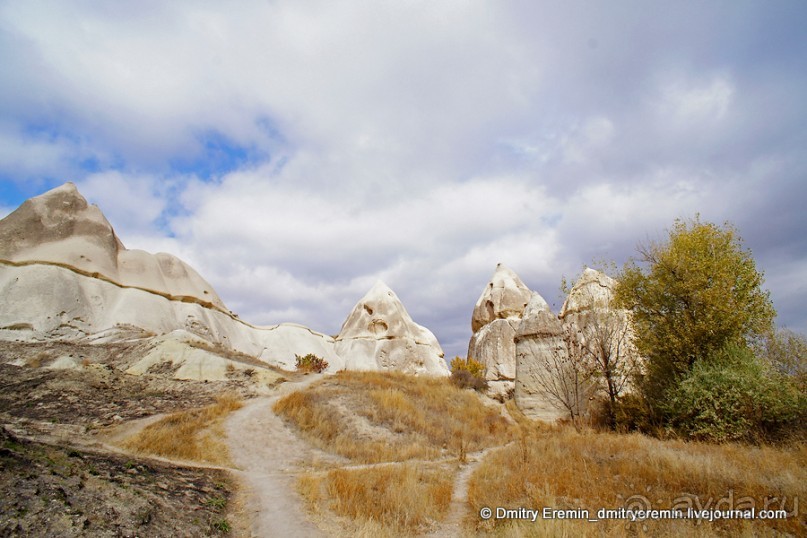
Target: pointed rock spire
<point>379,334</point>
<point>504,297</point>
<point>60,226</point>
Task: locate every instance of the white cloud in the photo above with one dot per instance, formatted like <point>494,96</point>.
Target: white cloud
<point>697,102</point>
<point>267,244</point>
<point>133,202</point>
<point>37,155</point>
<point>371,89</point>
<point>583,142</point>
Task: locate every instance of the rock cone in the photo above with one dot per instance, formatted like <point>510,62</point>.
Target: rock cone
<point>379,334</point>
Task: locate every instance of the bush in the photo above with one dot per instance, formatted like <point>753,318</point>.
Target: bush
<point>468,374</point>
<point>734,396</point>
<point>311,363</point>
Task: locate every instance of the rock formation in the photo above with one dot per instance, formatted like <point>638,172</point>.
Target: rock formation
<point>379,334</point>
<point>494,322</point>
<point>543,358</point>
<point>505,297</point>
<point>60,228</point>
<point>64,274</point>
<point>539,344</point>
<point>592,291</point>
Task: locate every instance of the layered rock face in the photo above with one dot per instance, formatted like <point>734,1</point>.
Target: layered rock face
<point>539,343</point>
<point>61,228</point>
<point>64,274</point>
<point>494,322</point>
<point>379,334</point>
<point>541,352</point>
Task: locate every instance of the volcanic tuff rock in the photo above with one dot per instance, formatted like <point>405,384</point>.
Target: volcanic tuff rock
<point>504,297</point>
<point>592,291</point>
<point>493,345</point>
<point>379,334</point>
<point>589,315</point>
<point>587,319</point>
<point>65,275</point>
<point>62,229</point>
<point>496,316</point>
<point>539,343</point>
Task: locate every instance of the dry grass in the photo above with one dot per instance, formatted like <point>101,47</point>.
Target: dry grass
<point>392,500</point>
<point>193,435</point>
<point>560,468</point>
<point>375,417</point>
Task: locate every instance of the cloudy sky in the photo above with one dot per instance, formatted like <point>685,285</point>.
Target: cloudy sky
<point>295,152</point>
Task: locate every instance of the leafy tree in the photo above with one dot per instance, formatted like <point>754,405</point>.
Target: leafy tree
<point>786,350</point>
<point>695,294</point>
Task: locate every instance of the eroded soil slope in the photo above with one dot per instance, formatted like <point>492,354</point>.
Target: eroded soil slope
<point>56,491</point>
<point>57,477</point>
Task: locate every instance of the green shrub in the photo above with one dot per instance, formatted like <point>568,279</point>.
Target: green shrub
<point>734,396</point>
<point>468,374</point>
<point>311,363</point>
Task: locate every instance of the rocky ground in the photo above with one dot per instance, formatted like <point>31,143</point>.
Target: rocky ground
<point>56,479</point>
<point>96,395</point>
<point>58,491</point>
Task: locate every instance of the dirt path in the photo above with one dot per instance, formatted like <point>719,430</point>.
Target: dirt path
<point>267,453</point>
<point>451,526</point>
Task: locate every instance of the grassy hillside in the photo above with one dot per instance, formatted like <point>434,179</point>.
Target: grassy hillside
<point>373,417</point>
<point>431,426</point>
<point>559,468</point>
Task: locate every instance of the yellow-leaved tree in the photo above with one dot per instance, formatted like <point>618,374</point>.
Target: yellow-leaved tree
<point>691,297</point>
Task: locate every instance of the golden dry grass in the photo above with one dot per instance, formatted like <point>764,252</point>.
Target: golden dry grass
<point>375,417</point>
<point>560,468</point>
<point>392,500</point>
<point>194,435</point>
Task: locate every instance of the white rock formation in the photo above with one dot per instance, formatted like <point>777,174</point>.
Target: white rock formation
<point>505,297</point>
<point>494,322</point>
<point>494,346</point>
<point>64,274</point>
<point>539,346</point>
<point>186,356</point>
<point>62,229</point>
<point>43,302</point>
<point>592,291</point>
<point>379,334</point>
<point>588,319</point>
<point>590,316</point>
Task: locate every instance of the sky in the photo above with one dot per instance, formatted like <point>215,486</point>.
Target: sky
<point>294,152</point>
